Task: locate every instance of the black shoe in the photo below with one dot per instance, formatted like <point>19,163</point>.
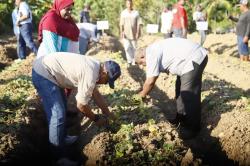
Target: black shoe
<point>186,133</point>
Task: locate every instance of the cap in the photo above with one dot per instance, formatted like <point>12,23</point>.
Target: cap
<point>114,71</point>
<point>243,2</point>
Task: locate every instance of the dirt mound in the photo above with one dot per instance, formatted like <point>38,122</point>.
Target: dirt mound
<point>107,43</point>
<point>96,149</point>
<point>233,130</point>
<point>8,49</point>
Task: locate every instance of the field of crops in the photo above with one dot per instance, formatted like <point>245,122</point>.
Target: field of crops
<point>141,134</point>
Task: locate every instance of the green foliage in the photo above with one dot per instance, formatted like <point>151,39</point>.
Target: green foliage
<point>150,10</point>
<point>124,139</point>
<point>38,7</point>
<point>14,93</point>
<point>6,8</point>
<point>102,10</point>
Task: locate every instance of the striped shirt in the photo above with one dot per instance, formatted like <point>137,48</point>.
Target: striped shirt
<point>52,42</point>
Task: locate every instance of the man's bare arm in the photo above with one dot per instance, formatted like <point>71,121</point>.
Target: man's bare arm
<point>184,29</point>
<point>148,86</point>
<point>86,110</point>
<point>100,102</point>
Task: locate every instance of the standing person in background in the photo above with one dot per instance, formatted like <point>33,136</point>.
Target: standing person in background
<point>166,21</point>
<point>84,15</point>
<point>243,30</point>
<point>24,21</point>
<point>16,30</point>
<point>130,29</point>
<point>57,31</point>
<point>88,34</point>
<point>180,21</point>
<point>199,16</point>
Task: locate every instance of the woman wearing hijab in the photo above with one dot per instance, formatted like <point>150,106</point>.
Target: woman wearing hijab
<point>57,31</point>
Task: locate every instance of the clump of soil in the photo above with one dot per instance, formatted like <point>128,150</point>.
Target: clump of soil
<point>8,51</point>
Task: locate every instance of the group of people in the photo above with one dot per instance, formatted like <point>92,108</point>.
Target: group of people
<point>174,20</point>
<point>52,34</point>
<point>59,66</point>
<point>243,30</point>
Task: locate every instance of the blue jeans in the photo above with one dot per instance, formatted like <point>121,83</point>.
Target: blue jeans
<point>242,47</point>
<point>203,37</point>
<point>17,39</point>
<point>83,45</point>
<point>21,47</point>
<point>178,33</point>
<point>54,103</point>
<point>25,38</point>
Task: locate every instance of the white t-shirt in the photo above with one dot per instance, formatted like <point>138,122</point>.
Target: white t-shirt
<point>166,21</point>
<point>24,9</point>
<point>198,16</point>
<point>70,70</point>
<point>130,20</point>
<point>88,31</point>
<point>175,55</point>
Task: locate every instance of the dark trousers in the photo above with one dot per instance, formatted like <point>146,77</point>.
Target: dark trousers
<point>188,96</point>
<point>25,39</point>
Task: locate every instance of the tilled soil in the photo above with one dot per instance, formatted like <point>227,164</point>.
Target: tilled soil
<point>223,140</point>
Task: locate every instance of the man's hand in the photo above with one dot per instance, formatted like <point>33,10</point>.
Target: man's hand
<point>142,95</point>
<point>148,86</point>
<point>184,33</point>
<point>245,39</point>
<point>111,116</point>
<point>143,98</point>
<point>101,120</point>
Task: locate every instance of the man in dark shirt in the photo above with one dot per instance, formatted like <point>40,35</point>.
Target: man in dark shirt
<point>243,30</point>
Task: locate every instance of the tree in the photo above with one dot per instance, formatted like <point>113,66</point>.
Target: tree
<point>217,12</point>
<point>150,10</point>
<point>38,8</point>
